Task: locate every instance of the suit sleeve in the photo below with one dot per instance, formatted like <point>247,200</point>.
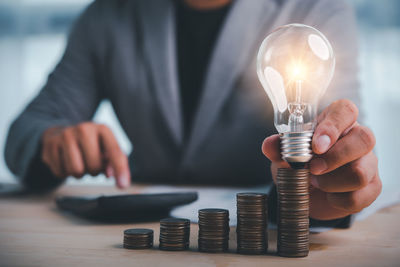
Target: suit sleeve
<point>71,95</point>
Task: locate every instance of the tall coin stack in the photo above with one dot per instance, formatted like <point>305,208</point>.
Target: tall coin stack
<point>293,212</point>
<point>252,234</point>
<point>174,234</point>
<point>213,230</point>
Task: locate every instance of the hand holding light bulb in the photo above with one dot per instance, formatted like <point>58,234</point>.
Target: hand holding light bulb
<point>295,65</point>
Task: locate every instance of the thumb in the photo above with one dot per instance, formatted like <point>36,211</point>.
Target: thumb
<point>117,162</point>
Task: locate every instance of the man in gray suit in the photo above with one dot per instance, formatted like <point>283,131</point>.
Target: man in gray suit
<point>182,81</point>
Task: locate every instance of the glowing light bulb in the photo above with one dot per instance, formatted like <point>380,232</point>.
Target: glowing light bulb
<point>295,65</point>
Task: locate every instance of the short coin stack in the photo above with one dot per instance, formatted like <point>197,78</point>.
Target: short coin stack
<point>138,238</point>
<point>174,234</point>
<point>293,212</point>
<point>213,230</point>
<point>252,234</point>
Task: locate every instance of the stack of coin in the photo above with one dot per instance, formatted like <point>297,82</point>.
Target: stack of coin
<point>293,212</point>
<point>252,234</point>
<point>138,238</point>
<point>213,230</point>
<point>174,234</point>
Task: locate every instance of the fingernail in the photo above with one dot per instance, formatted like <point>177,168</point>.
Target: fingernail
<point>318,165</point>
<point>322,143</point>
<point>124,181</point>
<point>314,181</point>
<point>109,171</point>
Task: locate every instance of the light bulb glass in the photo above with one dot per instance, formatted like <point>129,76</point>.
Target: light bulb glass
<point>295,65</point>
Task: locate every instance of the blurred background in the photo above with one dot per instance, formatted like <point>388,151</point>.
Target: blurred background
<point>33,37</point>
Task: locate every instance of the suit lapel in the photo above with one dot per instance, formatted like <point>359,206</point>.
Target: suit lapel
<point>158,22</point>
<point>230,55</point>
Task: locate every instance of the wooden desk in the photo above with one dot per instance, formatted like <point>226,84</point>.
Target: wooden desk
<point>34,233</point>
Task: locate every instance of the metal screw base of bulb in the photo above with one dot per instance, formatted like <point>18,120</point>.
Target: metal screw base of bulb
<point>296,148</point>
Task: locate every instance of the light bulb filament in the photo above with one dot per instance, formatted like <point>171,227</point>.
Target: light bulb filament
<point>298,91</point>
<point>297,109</point>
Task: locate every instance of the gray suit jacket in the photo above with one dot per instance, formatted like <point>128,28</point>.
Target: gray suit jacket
<point>125,51</point>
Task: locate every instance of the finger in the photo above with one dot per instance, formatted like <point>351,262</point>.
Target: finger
<point>72,158</point>
<point>350,177</point>
<point>51,157</point>
<point>109,171</point>
<point>333,121</point>
<point>63,168</point>
<point>353,202</point>
<point>117,159</point>
<point>271,148</point>
<point>90,147</point>
<point>357,143</point>
<point>321,209</point>
<point>56,161</point>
